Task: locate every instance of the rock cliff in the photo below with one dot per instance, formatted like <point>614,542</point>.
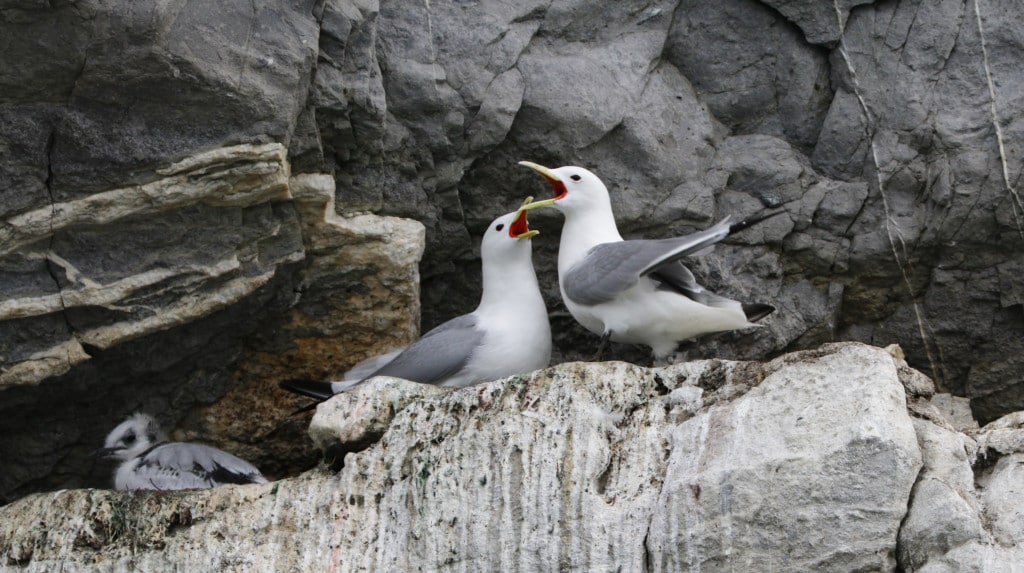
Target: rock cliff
<point>833,459</point>
<point>197,199</point>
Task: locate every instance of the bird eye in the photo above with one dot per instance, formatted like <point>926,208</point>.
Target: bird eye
<point>575,177</point>
<point>129,438</point>
<point>500,227</point>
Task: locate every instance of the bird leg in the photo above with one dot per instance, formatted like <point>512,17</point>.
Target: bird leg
<point>601,346</point>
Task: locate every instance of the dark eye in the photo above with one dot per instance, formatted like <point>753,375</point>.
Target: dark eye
<point>500,227</point>
<point>129,438</point>
<point>575,177</point>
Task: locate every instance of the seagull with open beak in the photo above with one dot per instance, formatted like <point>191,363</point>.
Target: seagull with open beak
<point>507,334</point>
<point>636,291</point>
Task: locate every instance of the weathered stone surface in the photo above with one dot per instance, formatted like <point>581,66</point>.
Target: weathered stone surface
<point>174,280</point>
<point>805,462</point>
<point>354,419</point>
<point>964,518</point>
<point>899,176</point>
<point>86,247</point>
<point>357,296</point>
<point>821,22</point>
<point>769,83</point>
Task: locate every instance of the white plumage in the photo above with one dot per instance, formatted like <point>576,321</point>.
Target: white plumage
<point>507,334</point>
<point>635,291</point>
<point>149,461</point>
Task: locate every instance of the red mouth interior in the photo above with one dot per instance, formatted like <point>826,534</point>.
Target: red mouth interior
<point>558,186</point>
<point>519,226</point>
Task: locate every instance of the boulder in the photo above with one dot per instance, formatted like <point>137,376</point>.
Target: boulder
<point>804,462</point>
<point>155,252</point>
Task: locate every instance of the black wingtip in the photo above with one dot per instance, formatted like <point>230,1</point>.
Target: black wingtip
<point>737,227</point>
<point>223,475</point>
<point>755,311</point>
<point>313,388</point>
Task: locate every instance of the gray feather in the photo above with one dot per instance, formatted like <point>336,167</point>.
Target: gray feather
<point>678,278</point>
<point>437,355</point>
<point>180,465</point>
<point>610,268</point>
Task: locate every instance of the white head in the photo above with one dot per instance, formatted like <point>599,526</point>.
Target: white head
<point>576,189</point>
<point>507,259</point>
<point>508,237</point>
<point>132,437</point>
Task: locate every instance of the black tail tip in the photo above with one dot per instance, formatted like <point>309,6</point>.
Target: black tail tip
<point>746,223</point>
<point>317,389</point>
<point>755,311</point>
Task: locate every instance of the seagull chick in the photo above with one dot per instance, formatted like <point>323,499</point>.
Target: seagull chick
<point>637,291</point>
<point>507,334</point>
<point>151,462</point>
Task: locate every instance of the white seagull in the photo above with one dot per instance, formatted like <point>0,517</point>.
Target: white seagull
<point>507,334</point>
<point>149,461</point>
<point>636,291</point>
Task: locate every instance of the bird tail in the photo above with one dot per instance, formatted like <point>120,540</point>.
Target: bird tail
<point>746,223</point>
<point>313,388</point>
<point>755,311</point>
<point>367,367</point>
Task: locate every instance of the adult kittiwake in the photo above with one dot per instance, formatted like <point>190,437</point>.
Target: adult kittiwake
<point>507,334</point>
<point>149,461</point>
<point>635,291</point>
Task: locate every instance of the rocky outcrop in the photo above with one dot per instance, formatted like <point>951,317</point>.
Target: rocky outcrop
<point>827,460</point>
<point>154,253</point>
<point>125,292</point>
<point>221,258</point>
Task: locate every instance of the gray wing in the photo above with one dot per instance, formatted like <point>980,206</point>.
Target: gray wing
<point>677,277</point>
<point>438,354</point>
<point>370,365</point>
<point>184,466</point>
<point>611,268</point>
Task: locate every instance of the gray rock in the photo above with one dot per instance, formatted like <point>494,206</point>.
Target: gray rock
<point>803,462</point>
<point>743,478</point>
<point>899,177</point>
<point>163,281</point>
<point>351,420</point>
<point>113,287</point>
<point>821,22</point>
<point>964,518</point>
<point>752,69</point>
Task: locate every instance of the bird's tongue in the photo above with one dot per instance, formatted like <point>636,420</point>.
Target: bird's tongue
<point>519,225</point>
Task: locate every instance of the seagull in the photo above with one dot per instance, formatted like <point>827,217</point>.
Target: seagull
<point>636,291</point>
<point>507,334</point>
<point>149,461</point>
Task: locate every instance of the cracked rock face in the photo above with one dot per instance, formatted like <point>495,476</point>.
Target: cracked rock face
<point>171,179</point>
<point>807,462</point>
<point>885,131</point>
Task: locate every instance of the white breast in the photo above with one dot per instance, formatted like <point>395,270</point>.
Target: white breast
<point>657,318</point>
<point>517,340</point>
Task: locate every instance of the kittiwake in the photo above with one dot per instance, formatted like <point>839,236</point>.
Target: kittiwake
<point>149,461</point>
<point>636,291</point>
<point>507,334</point>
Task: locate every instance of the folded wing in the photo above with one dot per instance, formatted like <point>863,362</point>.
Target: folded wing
<point>438,354</point>
<point>610,268</point>
<point>185,466</point>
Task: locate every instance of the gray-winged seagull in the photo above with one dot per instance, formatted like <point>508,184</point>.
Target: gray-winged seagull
<point>507,334</point>
<point>149,461</point>
<point>635,291</point>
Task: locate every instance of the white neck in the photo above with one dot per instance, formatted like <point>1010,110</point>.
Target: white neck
<point>583,230</point>
<point>511,280</point>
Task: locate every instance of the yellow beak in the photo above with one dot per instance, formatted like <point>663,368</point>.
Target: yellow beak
<point>548,174</point>
<point>526,206</point>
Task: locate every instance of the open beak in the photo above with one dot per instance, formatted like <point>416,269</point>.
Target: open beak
<point>520,227</point>
<point>556,183</point>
